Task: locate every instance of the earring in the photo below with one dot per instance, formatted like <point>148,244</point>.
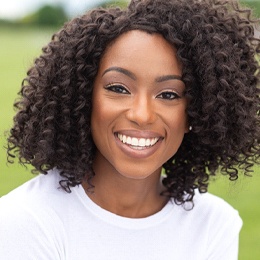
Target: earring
<point>190,127</point>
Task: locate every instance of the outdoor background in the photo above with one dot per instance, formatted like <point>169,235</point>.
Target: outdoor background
<point>24,30</point>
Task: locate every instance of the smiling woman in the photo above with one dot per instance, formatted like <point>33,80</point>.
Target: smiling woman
<point>146,104</point>
<point>146,120</point>
<point>117,98</point>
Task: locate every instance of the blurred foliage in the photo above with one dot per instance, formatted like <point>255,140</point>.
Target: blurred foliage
<point>254,5</point>
<point>114,3</point>
<point>47,15</point>
<point>55,15</point>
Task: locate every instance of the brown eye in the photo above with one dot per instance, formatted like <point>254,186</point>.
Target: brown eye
<point>117,89</point>
<point>169,95</point>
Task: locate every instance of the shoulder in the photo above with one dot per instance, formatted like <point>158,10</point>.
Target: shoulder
<point>210,201</point>
<point>209,209</point>
<point>27,214</point>
<point>206,205</point>
<point>35,202</point>
<point>212,225</point>
<point>221,223</point>
<point>213,206</point>
<point>41,199</point>
<point>211,217</point>
<point>31,200</point>
<point>34,189</point>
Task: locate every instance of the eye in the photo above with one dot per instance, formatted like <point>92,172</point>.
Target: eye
<point>117,89</point>
<point>169,95</point>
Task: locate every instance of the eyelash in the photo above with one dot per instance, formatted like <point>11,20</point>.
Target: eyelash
<point>173,95</point>
<point>117,88</point>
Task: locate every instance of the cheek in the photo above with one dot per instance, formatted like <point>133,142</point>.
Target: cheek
<point>97,115</point>
<point>177,121</point>
<point>177,129</point>
<point>103,114</point>
<point>98,122</point>
<point>98,108</point>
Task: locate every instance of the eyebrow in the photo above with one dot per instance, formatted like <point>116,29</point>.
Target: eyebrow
<point>121,70</point>
<point>168,77</point>
<point>132,76</point>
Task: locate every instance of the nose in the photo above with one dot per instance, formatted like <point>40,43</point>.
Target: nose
<point>142,111</point>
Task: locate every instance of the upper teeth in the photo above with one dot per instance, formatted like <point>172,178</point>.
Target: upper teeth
<point>137,141</point>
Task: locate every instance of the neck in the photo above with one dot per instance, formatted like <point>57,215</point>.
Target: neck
<point>133,198</point>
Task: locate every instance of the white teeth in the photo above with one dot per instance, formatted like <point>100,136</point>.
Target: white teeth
<point>128,140</point>
<point>148,142</point>
<point>142,142</point>
<point>134,141</point>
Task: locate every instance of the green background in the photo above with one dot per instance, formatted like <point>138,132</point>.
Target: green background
<point>18,47</point>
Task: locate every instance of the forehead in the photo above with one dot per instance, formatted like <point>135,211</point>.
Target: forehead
<point>141,50</point>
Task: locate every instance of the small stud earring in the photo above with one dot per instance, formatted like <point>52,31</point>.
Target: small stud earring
<point>190,128</point>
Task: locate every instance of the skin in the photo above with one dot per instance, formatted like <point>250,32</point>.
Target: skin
<point>137,93</point>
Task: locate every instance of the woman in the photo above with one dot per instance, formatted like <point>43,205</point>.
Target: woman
<point>127,113</point>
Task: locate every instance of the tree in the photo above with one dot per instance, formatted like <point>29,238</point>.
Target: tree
<point>254,5</point>
<point>47,15</point>
<point>113,3</point>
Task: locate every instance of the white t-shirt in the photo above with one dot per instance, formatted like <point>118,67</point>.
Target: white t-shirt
<point>40,221</point>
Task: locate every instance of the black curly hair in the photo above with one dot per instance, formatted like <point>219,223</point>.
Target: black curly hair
<point>216,44</point>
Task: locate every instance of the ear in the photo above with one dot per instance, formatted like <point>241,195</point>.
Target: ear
<point>188,127</point>
<point>186,130</point>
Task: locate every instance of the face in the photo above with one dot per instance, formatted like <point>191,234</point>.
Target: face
<point>138,116</point>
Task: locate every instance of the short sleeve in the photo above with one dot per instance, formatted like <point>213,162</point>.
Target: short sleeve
<point>30,236</point>
<point>224,234</point>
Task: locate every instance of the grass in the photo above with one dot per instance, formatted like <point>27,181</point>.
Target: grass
<point>18,48</point>
<point>244,195</point>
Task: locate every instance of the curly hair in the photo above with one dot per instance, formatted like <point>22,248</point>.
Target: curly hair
<point>216,44</point>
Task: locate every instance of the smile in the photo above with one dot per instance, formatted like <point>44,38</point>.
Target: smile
<point>137,142</point>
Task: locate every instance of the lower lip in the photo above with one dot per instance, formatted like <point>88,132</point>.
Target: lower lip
<point>138,153</point>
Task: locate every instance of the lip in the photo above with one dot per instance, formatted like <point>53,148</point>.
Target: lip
<point>138,153</point>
